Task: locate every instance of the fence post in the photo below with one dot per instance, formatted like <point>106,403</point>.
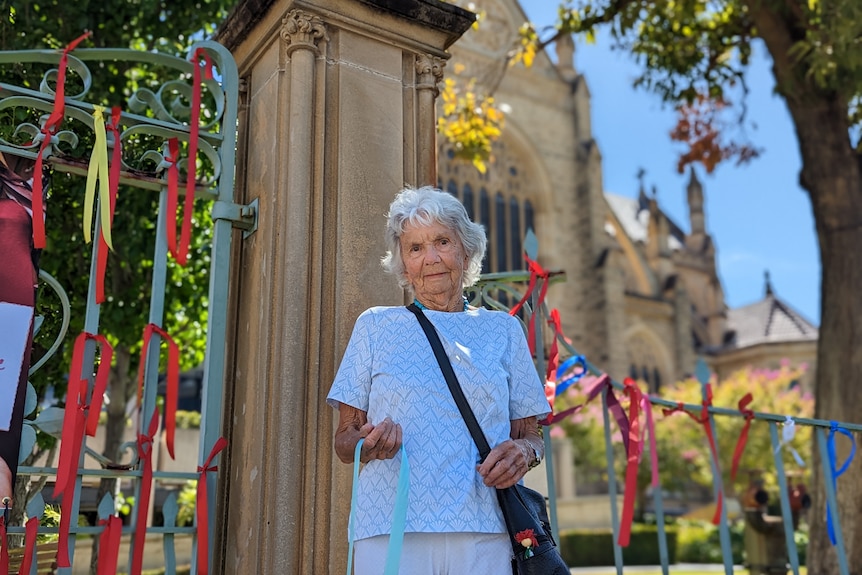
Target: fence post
<point>786,516</point>
<point>703,375</point>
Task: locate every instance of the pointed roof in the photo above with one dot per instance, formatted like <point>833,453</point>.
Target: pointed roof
<point>693,181</point>
<point>770,320</point>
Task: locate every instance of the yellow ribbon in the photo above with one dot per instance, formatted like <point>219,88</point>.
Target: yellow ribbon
<point>98,170</point>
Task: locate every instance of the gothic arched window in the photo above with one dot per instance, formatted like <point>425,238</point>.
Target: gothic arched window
<point>643,356</point>
<point>500,233</point>
<point>452,188</point>
<point>515,232</point>
<point>485,220</point>
<point>508,184</point>
<point>467,200</point>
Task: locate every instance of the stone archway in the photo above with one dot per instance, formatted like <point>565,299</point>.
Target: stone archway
<point>648,358</point>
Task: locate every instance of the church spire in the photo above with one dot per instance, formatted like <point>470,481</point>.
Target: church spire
<point>769,291</point>
<point>565,48</point>
<point>697,219</point>
<point>643,201</point>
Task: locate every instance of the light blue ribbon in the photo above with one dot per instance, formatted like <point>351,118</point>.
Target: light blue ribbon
<point>399,514</point>
<point>836,473</point>
<point>564,383</point>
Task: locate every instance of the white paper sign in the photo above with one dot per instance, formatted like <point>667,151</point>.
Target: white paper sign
<point>14,332</point>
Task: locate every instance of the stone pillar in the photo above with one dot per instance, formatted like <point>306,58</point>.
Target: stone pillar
<point>565,460</point>
<point>429,72</point>
<point>338,117</point>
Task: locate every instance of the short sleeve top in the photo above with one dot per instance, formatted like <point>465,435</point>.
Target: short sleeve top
<point>389,370</point>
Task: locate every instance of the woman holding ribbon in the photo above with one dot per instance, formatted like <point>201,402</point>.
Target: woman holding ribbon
<point>389,390</point>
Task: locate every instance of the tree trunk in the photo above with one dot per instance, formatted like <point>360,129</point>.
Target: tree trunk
<point>839,358</point>
<point>832,176</point>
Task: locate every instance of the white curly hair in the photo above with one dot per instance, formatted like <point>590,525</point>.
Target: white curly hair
<point>425,206</point>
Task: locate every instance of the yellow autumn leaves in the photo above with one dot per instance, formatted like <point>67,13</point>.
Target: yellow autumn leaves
<point>469,121</point>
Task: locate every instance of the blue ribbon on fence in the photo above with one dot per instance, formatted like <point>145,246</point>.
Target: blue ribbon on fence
<point>563,383</point>
<point>836,472</point>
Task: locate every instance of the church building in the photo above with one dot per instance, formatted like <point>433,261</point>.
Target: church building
<point>642,295</point>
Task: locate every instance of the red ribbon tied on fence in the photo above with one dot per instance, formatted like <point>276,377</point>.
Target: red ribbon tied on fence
<point>635,447</point>
<point>80,417</point>
<point>31,530</point>
<point>614,406</point>
<point>201,507</point>
<point>743,435</point>
<point>145,457</point>
<point>536,272</point>
<point>181,251</point>
<point>707,426</point>
<point>553,361</point>
<point>173,160</point>
<point>113,187</point>
<point>172,381</point>
<point>109,545</point>
<point>49,128</point>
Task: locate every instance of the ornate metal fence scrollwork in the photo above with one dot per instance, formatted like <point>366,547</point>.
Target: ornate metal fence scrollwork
<point>172,106</point>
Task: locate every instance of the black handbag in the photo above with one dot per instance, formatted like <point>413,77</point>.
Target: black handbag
<point>522,508</point>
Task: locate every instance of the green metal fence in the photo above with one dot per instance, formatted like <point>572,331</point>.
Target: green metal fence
<point>501,290</point>
<point>156,111</point>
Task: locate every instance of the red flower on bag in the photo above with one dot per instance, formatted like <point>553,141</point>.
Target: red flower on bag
<point>527,538</point>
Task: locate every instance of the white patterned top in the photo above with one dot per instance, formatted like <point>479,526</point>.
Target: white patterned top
<point>389,369</point>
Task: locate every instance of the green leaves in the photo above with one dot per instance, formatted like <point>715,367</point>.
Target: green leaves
<point>702,47</point>
<point>145,25</point>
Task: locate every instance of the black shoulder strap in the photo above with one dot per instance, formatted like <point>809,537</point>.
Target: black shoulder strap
<point>452,382</point>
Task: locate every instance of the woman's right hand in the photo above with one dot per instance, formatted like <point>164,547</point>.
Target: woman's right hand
<point>382,441</point>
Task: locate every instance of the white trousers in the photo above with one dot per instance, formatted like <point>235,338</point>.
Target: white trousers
<point>438,554</point>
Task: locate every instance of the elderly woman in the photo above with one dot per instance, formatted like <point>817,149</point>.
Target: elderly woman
<point>389,390</point>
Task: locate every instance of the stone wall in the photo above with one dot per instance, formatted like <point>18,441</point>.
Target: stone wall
<point>337,116</point>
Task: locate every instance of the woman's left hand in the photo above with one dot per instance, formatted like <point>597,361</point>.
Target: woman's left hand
<point>505,465</point>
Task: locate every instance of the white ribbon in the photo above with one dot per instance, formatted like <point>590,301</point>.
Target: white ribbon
<point>788,432</point>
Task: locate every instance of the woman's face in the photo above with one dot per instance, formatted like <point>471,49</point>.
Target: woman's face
<point>434,261</point>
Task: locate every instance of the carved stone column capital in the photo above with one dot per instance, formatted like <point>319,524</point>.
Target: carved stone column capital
<point>429,72</point>
<point>300,29</point>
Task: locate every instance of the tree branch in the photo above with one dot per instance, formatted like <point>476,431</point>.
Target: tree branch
<point>605,17</point>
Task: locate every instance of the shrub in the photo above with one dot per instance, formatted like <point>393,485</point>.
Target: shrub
<point>595,547</point>
<point>801,538</point>
<point>699,542</point>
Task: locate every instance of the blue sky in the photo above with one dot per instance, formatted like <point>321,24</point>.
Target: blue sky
<point>758,216</point>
